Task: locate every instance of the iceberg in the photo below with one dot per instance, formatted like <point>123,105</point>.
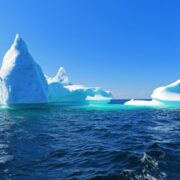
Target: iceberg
<point>21,78</point>
<point>170,93</point>
<point>91,94</point>
<point>61,90</point>
<point>165,96</point>
<point>23,82</point>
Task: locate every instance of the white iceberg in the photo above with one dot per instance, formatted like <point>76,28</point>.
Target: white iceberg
<point>22,81</point>
<point>165,96</point>
<point>170,92</point>
<point>91,94</point>
<point>21,78</point>
<point>61,90</point>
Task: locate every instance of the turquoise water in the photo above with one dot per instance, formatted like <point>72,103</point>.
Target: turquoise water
<point>89,142</point>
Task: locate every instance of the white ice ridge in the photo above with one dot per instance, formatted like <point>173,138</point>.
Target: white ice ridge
<point>64,91</point>
<point>163,96</point>
<point>22,81</point>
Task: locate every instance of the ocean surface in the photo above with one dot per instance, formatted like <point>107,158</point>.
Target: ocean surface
<point>89,142</point>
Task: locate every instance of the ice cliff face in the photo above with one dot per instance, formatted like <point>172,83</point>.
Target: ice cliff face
<point>22,80</point>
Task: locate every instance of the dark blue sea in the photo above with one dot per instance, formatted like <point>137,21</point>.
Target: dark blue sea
<point>89,142</point>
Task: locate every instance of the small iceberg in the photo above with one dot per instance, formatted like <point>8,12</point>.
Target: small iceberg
<point>165,96</point>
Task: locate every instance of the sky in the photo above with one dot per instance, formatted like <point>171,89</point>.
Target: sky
<point>125,46</point>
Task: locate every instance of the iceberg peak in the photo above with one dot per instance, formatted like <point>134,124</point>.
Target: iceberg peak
<point>19,44</point>
<point>17,36</point>
<point>60,77</point>
<point>17,53</point>
<point>61,72</point>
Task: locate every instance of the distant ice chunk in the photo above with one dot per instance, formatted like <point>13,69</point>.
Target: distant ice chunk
<point>152,103</point>
<point>21,78</point>
<point>170,92</point>
<point>166,96</point>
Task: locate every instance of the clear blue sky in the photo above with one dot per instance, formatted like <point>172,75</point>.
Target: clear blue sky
<point>126,46</point>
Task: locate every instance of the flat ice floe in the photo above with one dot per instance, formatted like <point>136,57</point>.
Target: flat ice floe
<point>133,102</point>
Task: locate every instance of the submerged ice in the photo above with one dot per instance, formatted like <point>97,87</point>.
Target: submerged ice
<point>162,96</point>
<point>23,82</point>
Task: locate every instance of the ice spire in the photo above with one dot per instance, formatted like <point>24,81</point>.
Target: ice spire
<point>19,44</point>
<point>22,78</point>
<point>60,77</point>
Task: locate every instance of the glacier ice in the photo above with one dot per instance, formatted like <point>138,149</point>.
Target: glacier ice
<point>21,78</point>
<point>166,96</point>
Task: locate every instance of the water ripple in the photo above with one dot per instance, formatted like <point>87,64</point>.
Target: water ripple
<point>69,142</point>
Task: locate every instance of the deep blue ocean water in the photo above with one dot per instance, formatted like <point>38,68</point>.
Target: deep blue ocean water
<point>89,142</point>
